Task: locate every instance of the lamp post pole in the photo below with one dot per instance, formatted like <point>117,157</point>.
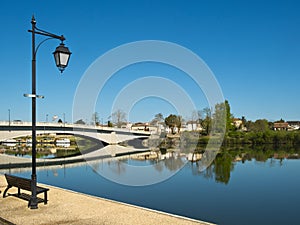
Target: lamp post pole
<point>9,119</point>
<point>61,63</point>
<point>33,200</point>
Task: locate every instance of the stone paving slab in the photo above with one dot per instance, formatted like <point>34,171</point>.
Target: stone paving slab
<point>67,207</point>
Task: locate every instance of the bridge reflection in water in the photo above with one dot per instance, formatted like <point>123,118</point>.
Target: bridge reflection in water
<point>15,165</point>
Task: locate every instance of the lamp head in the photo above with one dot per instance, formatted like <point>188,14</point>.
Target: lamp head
<point>62,55</point>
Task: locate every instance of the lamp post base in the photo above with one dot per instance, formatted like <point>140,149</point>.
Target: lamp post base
<point>33,202</point>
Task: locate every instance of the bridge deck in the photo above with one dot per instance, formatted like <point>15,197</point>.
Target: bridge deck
<point>107,136</point>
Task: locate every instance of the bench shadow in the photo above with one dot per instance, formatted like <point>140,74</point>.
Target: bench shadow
<point>25,197</point>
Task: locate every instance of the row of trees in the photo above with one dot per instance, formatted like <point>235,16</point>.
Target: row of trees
<point>118,117</point>
<point>219,118</point>
<point>222,121</point>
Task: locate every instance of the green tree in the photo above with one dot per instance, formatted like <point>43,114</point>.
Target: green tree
<point>109,124</point>
<point>260,125</point>
<point>219,118</point>
<point>206,121</point>
<point>280,121</point>
<point>244,121</point>
<point>229,117</point>
<point>158,118</point>
<point>173,121</point>
<point>80,122</point>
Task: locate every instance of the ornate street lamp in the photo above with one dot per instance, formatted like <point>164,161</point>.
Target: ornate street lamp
<point>61,55</point>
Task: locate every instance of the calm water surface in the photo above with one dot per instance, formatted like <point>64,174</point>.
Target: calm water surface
<point>241,193</point>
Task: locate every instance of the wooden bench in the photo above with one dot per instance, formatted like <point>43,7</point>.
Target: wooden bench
<point>25,184</point>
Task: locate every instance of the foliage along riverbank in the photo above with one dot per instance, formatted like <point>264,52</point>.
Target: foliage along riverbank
<point>234,139</point>
<point>226,160</point>
<point>209,124</point>
<point>276,138</point>
<point>251,138</point>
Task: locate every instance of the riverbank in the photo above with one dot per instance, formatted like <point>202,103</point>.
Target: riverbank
<point>67,207</point>
<point>194,140</point>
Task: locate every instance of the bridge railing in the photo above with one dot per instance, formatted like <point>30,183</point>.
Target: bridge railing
<point>52,124</point>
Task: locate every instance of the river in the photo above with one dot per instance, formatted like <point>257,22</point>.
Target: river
<point>241,187</point>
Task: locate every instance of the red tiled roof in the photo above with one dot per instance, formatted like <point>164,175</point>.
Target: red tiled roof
<point>281,125</point>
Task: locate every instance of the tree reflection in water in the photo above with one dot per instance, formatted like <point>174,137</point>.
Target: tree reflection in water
<point>226,159</point>
<point>219,168</point>
<point>222,167</point>
<point>174,163</point>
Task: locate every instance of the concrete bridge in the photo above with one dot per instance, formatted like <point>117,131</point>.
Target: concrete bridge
<point>106,134</point>
<point>110,136</point>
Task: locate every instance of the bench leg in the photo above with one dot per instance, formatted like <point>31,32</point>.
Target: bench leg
<point>45,198</point>
<point>4,193</point>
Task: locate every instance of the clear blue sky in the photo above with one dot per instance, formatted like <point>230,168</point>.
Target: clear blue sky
<point>252,47</point>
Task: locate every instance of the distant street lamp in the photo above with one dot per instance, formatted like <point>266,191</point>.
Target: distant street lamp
<point>9,119</point>
<point>61,56</point>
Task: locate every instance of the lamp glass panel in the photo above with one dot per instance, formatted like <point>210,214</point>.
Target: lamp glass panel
<point>63,59</point>
<point>56,57</point>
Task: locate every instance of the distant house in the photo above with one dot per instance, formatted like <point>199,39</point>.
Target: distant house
<point>126,126</point>
<point>156,127</point>
<point>281,126</point>
<point>169,130</point>
<point>193,126</point>
<point>237,122</point>
<point>144,127</point>
<point>294,125</point>
<point>139,127</point>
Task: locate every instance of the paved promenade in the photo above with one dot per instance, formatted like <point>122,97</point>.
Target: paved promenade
<point>66,207</point>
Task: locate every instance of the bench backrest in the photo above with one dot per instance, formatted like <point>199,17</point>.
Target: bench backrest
<point>18,182</point>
